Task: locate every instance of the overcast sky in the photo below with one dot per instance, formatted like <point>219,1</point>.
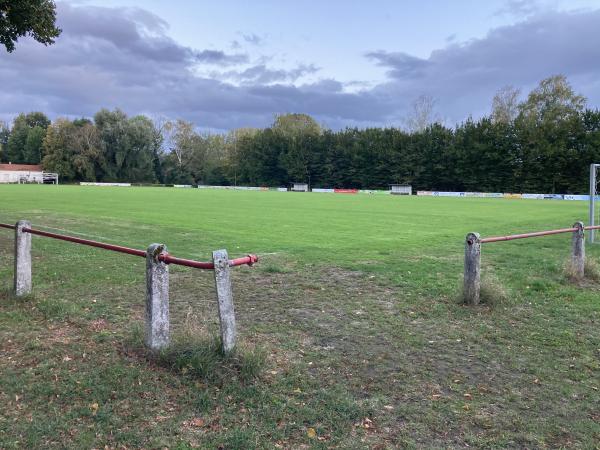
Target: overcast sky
<point>234,63</point>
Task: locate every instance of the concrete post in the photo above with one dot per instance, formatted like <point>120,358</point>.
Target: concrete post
<point>225,299</point>
<point>578,256</point>
<point>472,276</point>
<point>157,299</point>
<point>22,284</point>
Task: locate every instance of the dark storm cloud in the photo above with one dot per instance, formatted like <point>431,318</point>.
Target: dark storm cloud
<point>114,57</point>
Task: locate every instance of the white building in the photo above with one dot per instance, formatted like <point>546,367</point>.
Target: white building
<point>25,173</point>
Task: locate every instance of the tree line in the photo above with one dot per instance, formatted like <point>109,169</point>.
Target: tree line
<point>542,144</point>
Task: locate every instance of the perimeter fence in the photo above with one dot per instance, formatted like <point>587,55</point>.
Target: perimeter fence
<point>157,317</point>
<point>473,242</point>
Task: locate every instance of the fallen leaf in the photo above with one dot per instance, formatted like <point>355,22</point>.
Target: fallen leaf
<point>311,433</point>
<point>197,422</point>
<point>94,408</point>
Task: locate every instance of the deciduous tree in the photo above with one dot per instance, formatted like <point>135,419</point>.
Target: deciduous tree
<point>35,18</point>
<point>505,105</point>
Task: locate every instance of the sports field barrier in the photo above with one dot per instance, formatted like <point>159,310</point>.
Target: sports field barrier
<point>157,330</point>
<point>473,241</point>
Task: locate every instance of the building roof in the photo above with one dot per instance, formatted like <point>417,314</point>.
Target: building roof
<point>21,167</point>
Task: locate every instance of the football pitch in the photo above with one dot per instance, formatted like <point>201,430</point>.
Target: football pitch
<point>351,324</point>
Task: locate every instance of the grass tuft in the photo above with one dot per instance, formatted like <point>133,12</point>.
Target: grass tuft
<point>59,309</point>
<point>272,268</point>
<point>199,355</point>
<point>591,271</point>
<point>492,292</point>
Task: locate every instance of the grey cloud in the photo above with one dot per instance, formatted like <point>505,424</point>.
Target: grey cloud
<point>463,77</point>
<point>252,38</point>
<point>519,8</point>
<point>219,57</point>
<point>137,67</point>
<point>400,64</point>
<point>261,74</point>
<point>111,57</point>
<point>128,29</point>
<point>135,31</point>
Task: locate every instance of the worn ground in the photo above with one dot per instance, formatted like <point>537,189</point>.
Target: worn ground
<point>351,329</point>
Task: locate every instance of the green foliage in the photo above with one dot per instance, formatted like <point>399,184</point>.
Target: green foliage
<point>24,145</point>
<point>35,18</point>
<point>542,145</point>
<point>58,154</point>
<point>32,152</point>
<point>295,125</point>
<point>4,136</point>
<point>552,101</point>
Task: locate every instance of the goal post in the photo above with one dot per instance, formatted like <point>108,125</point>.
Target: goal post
<point>593,195</point>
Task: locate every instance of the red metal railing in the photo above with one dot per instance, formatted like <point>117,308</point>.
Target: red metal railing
<point>535,234</point>
<point>166,258</point>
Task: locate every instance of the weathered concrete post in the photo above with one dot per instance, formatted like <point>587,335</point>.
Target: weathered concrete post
<point>225,299</point>
<point>472,276</point>
<point>22,285</point>
<point>578,256</point>
<point>157,299</point>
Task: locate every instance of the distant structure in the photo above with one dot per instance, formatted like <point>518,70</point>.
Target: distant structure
<point>400,189</point>
<point>26,173</point>
<point>299,187</point>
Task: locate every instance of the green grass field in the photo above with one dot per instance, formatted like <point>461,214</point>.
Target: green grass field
<point>352,332</point>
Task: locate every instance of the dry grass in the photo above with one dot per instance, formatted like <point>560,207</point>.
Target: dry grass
<point>591,271</point>
<point>195,351</point>
<point>492,291</point>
